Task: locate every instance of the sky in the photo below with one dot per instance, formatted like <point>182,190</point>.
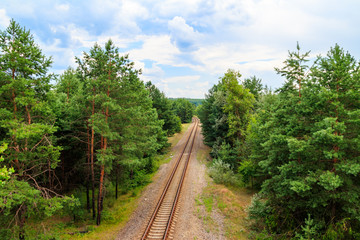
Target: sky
<point>185,46</point>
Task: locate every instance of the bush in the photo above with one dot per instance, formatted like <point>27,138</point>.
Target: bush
<point>222,173</point>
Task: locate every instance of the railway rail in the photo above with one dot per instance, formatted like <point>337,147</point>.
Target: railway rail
<point>161,223</point>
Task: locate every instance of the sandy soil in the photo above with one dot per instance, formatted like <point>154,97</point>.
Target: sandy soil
<point>188,225</point>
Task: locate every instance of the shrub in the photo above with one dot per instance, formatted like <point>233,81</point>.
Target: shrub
<point>222,173</point>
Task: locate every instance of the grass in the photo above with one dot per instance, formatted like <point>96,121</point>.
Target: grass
<point>115,214</point>
<point>114,218</point>
<point>230,201</point>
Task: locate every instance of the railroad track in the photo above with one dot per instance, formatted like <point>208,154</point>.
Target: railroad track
<point>161,224</point>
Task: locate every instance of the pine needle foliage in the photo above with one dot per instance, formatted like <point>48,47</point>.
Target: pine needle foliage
<point>307,147</point>
<point>27,129</point>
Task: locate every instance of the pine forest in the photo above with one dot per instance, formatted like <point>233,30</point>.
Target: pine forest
<point>79,148</point>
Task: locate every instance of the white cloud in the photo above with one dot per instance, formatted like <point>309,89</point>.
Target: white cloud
<point>134,10</point>
<point>170,8</point>
<point>61,56</point>
<point>21,8</point>
<point>182,34</point>
<point>155,70</point>
<point>217,59</point>
<point>121,15</point>
<point>189,86</point>
<point>79,36</point>
<point>126,17</point>
<point>188,90</point>
<point>275,22</point>
<point>204,37</point>
<point>4,19</point>
<point>156,48</point>
<point>181,79</point>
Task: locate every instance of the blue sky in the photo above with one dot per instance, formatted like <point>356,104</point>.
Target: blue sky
<point>184,46</point>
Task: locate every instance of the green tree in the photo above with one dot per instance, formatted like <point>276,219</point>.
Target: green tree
<point>103,68</point>
<point>5,172</point>
<point>254,85</point>
<point>163,106</point>
<point>213,118</point>
<point>124,128</point>
<point>71,113</point>
<point>239,102</point>
<point>27,127</point>
<point>258,133</point>
<point>184,109</point>
<point>308,148</point>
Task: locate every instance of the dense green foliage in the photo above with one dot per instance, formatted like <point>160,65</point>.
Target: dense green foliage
<point>165,110</point>
<point>298,146</point>
<point>306,144</point>
<point>183,109</point>
<point>225,115</point>
<point>27,129</point>
<point>97,129</point>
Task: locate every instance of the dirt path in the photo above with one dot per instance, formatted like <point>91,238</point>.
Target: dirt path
<point>188,225</point>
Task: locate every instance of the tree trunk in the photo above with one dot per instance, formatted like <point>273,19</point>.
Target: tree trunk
<point>100,197</point>
<point>102,173</point>
<point>92,173</point>
<point>116,183</point>
<point>22,219</point>
<point>17,164</point>
<point>88,166</point>
<point>92,160</point>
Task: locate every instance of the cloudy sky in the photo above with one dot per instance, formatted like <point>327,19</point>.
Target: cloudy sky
<point>184,46</point>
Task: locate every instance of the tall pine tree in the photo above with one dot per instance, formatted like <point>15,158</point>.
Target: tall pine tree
<point>27,127</point>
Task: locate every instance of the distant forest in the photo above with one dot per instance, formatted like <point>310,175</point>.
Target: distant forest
<point>195,101</point>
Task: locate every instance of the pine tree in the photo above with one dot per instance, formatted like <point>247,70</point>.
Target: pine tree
<point>102,68</point>
<point>72,113</point>
<point>27,126</point>
<point>163,106</point>
<point>308,149</point>
<point>123,126</point>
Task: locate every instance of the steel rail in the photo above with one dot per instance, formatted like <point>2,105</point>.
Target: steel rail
<point>148,227</point>
<point>179,188</point>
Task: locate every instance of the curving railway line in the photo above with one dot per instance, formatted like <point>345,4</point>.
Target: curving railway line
<point>162,221</point>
